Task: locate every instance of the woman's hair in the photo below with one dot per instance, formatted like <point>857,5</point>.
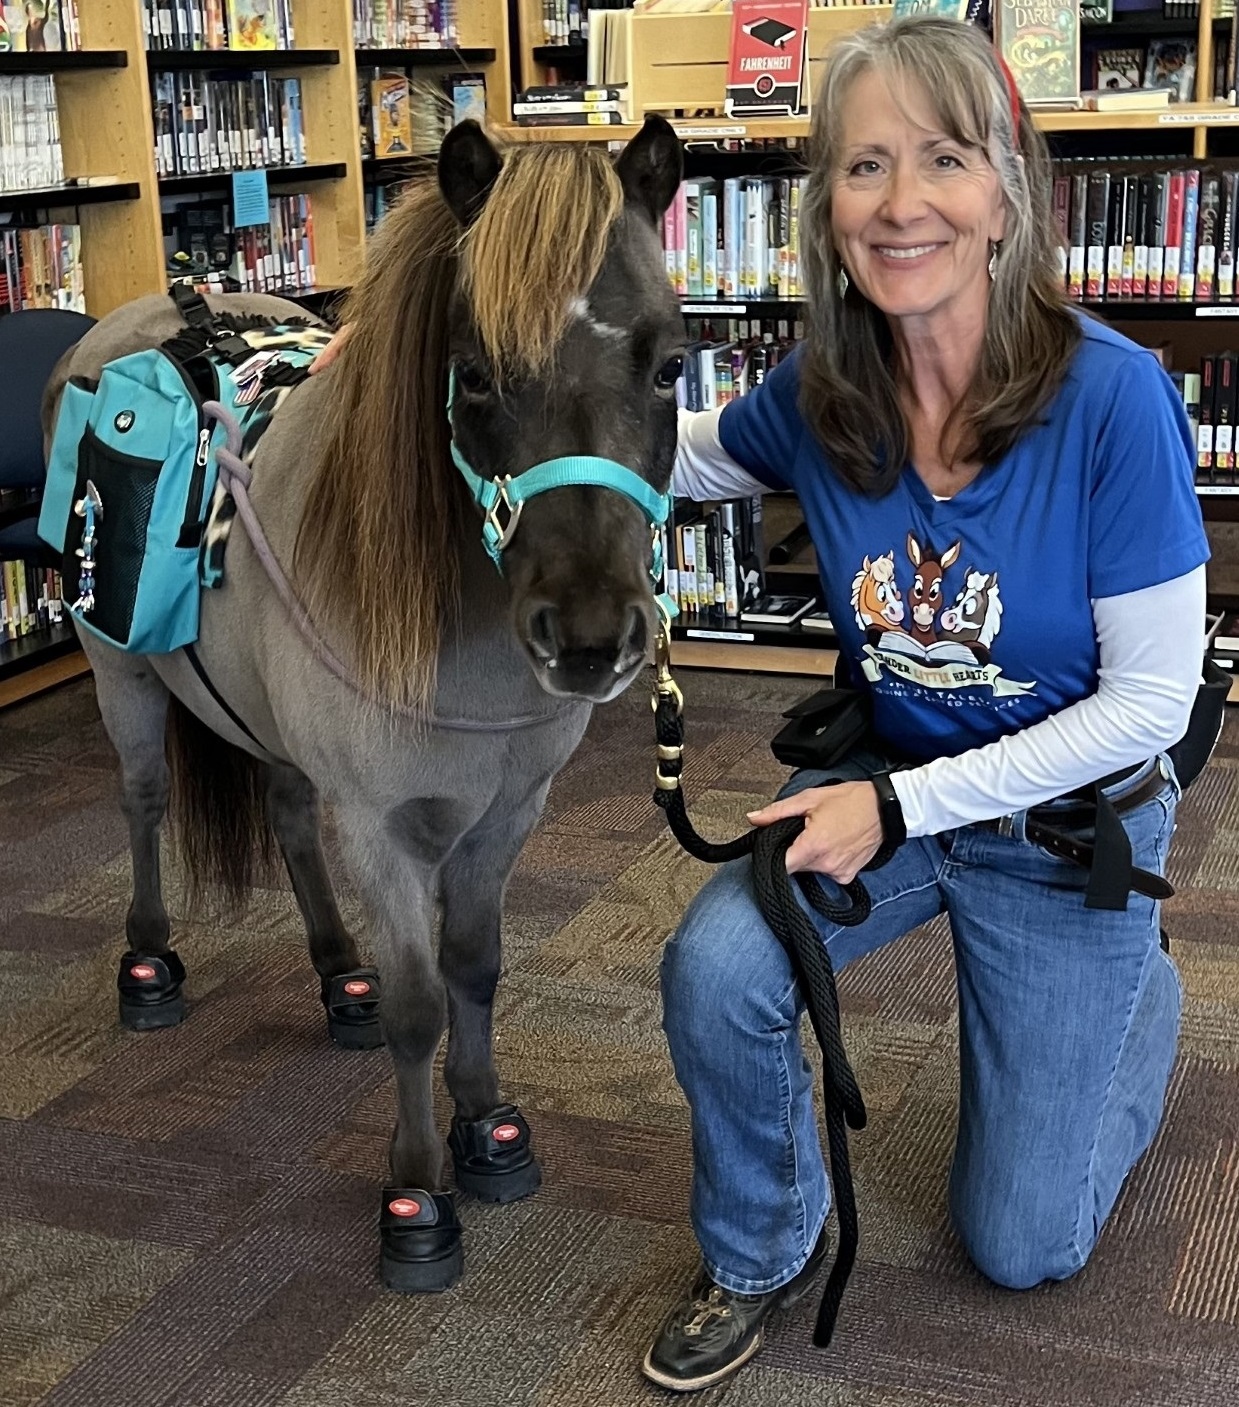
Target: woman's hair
<point>849,397</point>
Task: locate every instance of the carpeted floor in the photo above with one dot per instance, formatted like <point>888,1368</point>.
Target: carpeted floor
<point>188,1217</point>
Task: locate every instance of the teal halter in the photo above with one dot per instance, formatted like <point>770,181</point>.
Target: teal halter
<point>508,495</point>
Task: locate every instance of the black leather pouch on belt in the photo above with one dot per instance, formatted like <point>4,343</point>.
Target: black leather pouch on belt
<point>823,728</point>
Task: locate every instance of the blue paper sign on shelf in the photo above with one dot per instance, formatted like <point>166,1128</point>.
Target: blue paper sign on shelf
<point>249,198</point>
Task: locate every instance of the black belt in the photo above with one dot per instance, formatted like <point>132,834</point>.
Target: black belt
<point>1107,855</point>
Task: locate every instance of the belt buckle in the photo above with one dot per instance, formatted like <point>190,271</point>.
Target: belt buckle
<point>1005,825</point>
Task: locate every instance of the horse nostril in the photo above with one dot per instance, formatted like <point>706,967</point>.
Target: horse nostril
<point>542,632</point>
<point>638,631</point>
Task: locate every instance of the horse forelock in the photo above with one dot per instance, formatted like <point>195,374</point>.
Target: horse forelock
<point>535,251</point>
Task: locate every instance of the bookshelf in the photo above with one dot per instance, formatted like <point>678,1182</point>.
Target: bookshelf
<point>104,104</point>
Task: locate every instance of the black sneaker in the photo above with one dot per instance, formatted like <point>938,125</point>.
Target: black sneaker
<point>712,1332</point>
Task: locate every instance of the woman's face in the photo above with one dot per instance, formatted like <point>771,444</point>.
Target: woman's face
<point>914,212</point>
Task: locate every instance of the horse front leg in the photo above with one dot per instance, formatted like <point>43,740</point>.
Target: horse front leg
<point>350,992</point>
<point>394,861</point>
<point>489,1140</point>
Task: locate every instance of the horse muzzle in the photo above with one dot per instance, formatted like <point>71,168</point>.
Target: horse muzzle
<point>586,659</point>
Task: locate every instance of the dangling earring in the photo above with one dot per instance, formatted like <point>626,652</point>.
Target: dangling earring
<point>841,283</point>
<point>992,266</point>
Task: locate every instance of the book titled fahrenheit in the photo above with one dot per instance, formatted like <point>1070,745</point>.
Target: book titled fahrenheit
<point>1041,44</point>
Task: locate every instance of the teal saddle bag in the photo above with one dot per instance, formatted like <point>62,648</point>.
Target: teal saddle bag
<point>131,471</point>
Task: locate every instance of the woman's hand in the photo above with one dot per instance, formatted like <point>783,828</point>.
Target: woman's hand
<point>842,832</point>
<point>332,350</point>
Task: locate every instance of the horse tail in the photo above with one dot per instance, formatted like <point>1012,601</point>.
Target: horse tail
<point>218,808</point>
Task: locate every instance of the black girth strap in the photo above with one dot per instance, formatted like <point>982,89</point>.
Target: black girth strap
<point>192,656</point>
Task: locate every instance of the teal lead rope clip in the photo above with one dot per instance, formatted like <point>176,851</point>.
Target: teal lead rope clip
<point>90,507</point>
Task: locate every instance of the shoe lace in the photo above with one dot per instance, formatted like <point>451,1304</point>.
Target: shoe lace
<point>713,1306</point>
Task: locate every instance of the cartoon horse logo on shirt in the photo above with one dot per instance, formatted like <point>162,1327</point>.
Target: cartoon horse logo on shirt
<point>875,597</point>
<point>976,616</point>
<point>926,594</point>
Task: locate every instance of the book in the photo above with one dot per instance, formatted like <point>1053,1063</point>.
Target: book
<point>1041,45</point>
<point>817,620</point>
<point>777,610</point>
<point>1124,99</point>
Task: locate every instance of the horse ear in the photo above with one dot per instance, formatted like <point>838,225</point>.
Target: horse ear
<point>468,167</point>
<point>914,551</point>
<point>949,556</point>
<point>650,168</point>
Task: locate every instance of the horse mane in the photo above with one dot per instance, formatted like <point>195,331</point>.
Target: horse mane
<point>993,615</point>
<point>378,546</point>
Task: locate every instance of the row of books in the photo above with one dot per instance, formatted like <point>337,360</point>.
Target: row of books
<point>713,558</point>
<point>718,369</point>
<point>30,153</point>
<point>1159,65</point>
<point>571,105</point>
<point>204,246</point>
<point>218,24</point>
<point>1147,235</point>
<point>405,24</point>
<point>205,124</point>
<point>1211,399</point>
<point>737,239</point>
<point>41,267</point>
<point>30,599</point>
<point>401,115</point>
<point>39,26</point>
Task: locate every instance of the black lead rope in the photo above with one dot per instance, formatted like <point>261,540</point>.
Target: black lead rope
<point>811,962</point>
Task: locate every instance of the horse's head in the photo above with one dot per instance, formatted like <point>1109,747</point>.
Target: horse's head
<point>565,340</point>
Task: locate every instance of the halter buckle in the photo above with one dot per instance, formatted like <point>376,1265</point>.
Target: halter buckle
<point>499,533</point>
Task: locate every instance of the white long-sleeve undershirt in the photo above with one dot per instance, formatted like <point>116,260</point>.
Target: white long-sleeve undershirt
<point>1150,644</point>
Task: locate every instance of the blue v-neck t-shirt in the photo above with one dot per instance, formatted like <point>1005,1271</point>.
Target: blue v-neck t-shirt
<point>970,618</point>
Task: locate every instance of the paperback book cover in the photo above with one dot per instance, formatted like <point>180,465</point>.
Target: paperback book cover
<point>765,62</point>
<point>252,24</point>
<point>1041,44</point>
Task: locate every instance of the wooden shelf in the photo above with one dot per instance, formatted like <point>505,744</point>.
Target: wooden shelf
<point>276,175</point>
<point>416,58</point>
<point>558,54</point>
<point>17,656</point>
<point>175,60</point>
<point>47,197</point>
<point>50,62</point>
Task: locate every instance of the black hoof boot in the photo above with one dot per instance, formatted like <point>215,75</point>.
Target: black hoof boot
<point>352,1002</point>
<point>1165,940</point>
<point>150,991</point>
<point>492,1156</point>
<point>421,1246</point>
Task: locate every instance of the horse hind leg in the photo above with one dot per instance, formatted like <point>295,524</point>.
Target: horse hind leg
<point>350,993</point>
<point>133,702</point>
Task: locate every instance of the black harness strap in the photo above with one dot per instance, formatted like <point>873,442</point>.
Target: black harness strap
<point>192,656</point>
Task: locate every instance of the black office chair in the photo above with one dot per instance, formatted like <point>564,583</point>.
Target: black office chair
<point>31,343</point>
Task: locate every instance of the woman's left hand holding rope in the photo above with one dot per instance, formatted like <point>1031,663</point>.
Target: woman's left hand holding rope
<point>842,831</point>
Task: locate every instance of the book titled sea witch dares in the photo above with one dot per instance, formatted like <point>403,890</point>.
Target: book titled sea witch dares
<point>765,63</point>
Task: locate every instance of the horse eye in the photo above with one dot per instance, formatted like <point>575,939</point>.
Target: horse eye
<point>669,373</point>
<point>469,378</point>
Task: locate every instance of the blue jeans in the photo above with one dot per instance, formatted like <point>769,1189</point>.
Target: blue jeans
<point>1068,1024</point>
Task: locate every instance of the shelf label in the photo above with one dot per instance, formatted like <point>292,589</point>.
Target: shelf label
<point>737,310</point>
<point>249,198</point>
<point>728,637</point>
<point>1218,490</point>
<point>1195,119</point>
<point>1221,310</point>
<point>714,130</point>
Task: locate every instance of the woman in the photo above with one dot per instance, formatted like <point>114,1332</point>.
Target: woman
<point>1000,496</point>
